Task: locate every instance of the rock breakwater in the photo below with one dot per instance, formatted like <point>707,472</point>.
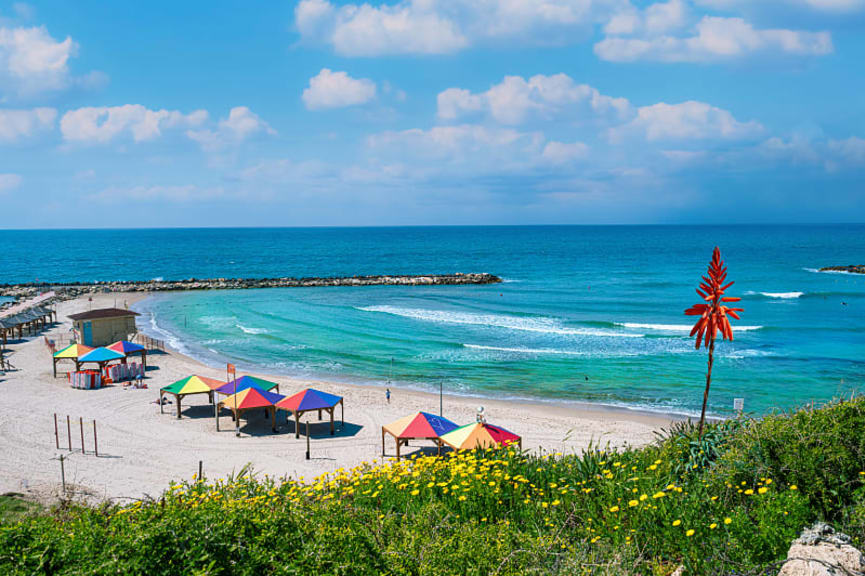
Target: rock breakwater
<point>851,269</point>
<point>74,289</point>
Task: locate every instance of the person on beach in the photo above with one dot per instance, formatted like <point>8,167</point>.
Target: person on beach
<point>387,395</point>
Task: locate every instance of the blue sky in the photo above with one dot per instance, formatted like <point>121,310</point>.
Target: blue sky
<point>418,112</point>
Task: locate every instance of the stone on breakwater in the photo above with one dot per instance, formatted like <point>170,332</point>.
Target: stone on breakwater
<point>820,551</point>
<point>74,289</point>
<point>851,268</point>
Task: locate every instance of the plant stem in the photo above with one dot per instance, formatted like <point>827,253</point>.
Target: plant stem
<point>708,382</point>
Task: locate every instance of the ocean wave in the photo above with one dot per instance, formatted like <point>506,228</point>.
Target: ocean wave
<point>675,327</point>
<point>546,351</point>
<point>776,295</point>
<point>526,324</point>
<point>248,330</point>
<point>173,340</point>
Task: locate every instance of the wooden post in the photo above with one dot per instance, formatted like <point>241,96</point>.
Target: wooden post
<point>68,433</point>
<point>382,441</point>
<point>236,418</point>
<point>216,414</point>
<point>331,420</point>
<point>307,439</point>
<point>200,466</point>
<point>341,413</point>
<point>397,448</point>
<point>56,434</point>
<point>55,367</point>
<point>81,424</point>
<point>177,399</point>
<point>296,424</point>
<point>63,475</point>
<point>95,442</point>
<point>319,413</point>
<point>161,396</point>
<point>273,418</point>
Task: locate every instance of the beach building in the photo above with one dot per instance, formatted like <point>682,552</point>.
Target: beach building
<point>103,326</point>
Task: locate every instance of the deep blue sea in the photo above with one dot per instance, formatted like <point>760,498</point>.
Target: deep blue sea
<point>592,314</point>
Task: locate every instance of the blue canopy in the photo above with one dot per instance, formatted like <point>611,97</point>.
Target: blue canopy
<point>101,355</point>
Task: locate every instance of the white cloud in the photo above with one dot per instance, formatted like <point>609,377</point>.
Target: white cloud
<point>443,26</point>
<point>9,182</point>
<point>32,61</point>
<point>659,18</point>
<point>564,152</point>
<point>850,152</point>
<point>242,123</point>
<point>18,124</point>
<point>826,6</point>
<point>687,121</point>
<point>98,125</point>
<point>515,98</point>
<point>337,90</point>
<point>714,39</point>
<point>178,194</point>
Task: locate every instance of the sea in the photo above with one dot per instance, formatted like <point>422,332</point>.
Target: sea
<point>585,314</point>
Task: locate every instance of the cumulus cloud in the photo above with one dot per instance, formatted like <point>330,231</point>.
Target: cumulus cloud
<point>714,39</point>
<point>330,89</point>
<point>826,6</point>
<point>20,124</point>
<point>659,18</point>
<point>514,99</point>
<point>442,26</point>
<point>241,124</point>
<point>9,182</point>
<point>564,152</point>
<point>32,61</point>
<point>687,121</point>
<point>102,124</point>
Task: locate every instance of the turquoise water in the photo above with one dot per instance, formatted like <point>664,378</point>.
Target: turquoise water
<point>585,313</point>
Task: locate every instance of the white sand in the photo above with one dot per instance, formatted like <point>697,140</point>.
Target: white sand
<point>141,450</point>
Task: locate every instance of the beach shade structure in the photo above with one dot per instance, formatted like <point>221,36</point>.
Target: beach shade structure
<point>72,352</point>
<point>309,400</point>
<point>248,399</point>
<point>244,382</point>
<point>480,435</point>
<point>130,349</point>
<point>189,385</point>
<point>101,356</point>
<point>417,426</point>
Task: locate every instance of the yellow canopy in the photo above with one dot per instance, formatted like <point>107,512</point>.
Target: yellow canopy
<point>73,351</point>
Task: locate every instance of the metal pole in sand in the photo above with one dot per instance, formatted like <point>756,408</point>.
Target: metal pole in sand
<point>81,424</point>
<point>62,475</point>
<point>68,433</point>
<point>200,467</point>
<point>307,439</point>
<point>95,443</point>
<point>56,433</point>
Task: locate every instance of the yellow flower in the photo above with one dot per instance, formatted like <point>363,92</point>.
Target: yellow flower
<point>763,490</point>
<point>658,495</point>
<point>633,503</point>
<point>728,520</point>
<point>749,491</point>
<point>689,533</point>
<point>556,502</point>
<point>643,497</point>
<point>614,509</point>
<point>794,487</point>
<point>676,522</point>
<point>415,492</point>
<point>712,526</point>
<point>462,498</point>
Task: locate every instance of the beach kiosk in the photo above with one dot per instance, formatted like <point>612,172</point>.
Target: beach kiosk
<point>72,352</point>
<point>312,400</point>
<point>418,426</point>
<point>103,326</point>
<point>480,435</point>
<point>189,385</point>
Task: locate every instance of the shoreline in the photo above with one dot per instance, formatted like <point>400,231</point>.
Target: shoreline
<point>142,450</point>
<point>568,405</point>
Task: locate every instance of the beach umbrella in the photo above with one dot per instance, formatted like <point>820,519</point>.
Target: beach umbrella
<point>311,399</point>
<point>101,356</point>
<point>71,352</point>
<point>248,399</point>
<point>130,348</point>
<point>479,435</point>
<point>189,385</point>
<point>420,425</point>
<point>245,382</point>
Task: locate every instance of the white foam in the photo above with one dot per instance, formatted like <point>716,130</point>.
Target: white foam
<point>172,340</point>
<point>778,295</point>
<point>526,324</point>
<point>675,327</point>
<point>252,330</point>
<point>539,351</point>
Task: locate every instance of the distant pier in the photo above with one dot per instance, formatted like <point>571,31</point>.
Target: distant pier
<point>73,289</point>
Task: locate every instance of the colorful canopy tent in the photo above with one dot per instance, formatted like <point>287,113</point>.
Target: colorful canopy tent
<point>244,382</point>
<point>480,435</point>
<point>418,426</point>
<point>130,349</point>
<point>247,399</point>
<point>71,352</point>
<point>309,400</point>
<point>189,385</point>
<point>101,356</point>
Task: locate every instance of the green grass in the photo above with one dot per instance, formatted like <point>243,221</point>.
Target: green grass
<point>730,502</point>
<point>14,507</point>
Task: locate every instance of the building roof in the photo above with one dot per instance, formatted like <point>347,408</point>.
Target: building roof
<point>102,313</point>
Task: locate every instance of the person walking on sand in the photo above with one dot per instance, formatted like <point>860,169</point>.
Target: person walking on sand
<point>387,395</point>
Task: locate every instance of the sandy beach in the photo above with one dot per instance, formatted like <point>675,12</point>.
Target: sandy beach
<point>141,451</point>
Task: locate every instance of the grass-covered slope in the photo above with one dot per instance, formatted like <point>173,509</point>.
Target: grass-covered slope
<point>728,504</point>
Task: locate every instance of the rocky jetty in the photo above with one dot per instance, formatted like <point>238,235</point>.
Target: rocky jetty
<point>74,289</point>
<point>820,551</point>
<point>851,269</point>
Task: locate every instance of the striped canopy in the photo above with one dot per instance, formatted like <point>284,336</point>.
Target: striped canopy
<point>73,351</point>
<point>193,385</point>
<point>309,399</point>
<point>251,397</point>
<point>245,382</point>
<point>420,425</point>
<point>479,435</point>
<point>101,355</point>
<point>125,347</point>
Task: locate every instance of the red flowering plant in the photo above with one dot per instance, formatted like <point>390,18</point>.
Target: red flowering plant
<point>714,316</point>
